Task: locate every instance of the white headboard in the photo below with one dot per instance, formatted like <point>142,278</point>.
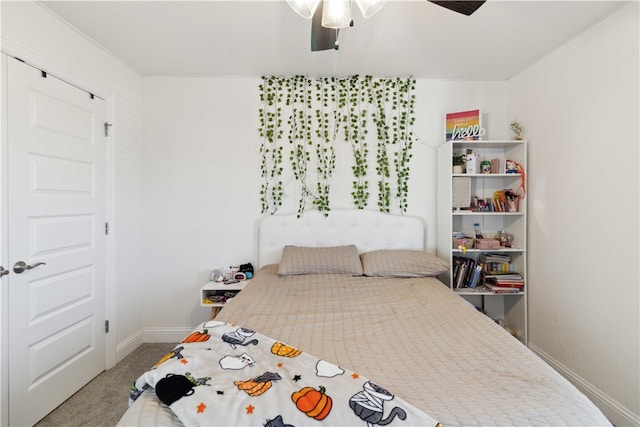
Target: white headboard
<point>368,230</point>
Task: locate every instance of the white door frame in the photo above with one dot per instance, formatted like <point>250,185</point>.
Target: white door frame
<point>110,102</point>
<point>4,245</point>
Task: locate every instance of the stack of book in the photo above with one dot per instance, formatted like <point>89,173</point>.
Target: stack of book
<point>504,283</point>
<point>497,263</point>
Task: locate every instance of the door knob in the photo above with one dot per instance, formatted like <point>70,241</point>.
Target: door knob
<point>3,272</point>
<point>21,266</point>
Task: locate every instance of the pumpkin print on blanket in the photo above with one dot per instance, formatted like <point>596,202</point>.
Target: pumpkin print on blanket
<point>314,403</point>
<point>284,350</point>
<point>197,337</point>
<point>259,384</point>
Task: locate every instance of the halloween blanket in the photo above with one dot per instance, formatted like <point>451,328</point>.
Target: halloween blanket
<point>223,375</point>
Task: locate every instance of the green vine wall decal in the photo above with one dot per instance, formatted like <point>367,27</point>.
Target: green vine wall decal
<point>299,134</point>
<point>382,90</point>
<point>316,109</point>
<point>312,129</point>
<point>327,118</point>
<point>354,96</point>
<point>404,121</point>
<point>271,189</point>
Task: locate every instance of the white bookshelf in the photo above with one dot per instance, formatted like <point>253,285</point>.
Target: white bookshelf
<point>509,309</point>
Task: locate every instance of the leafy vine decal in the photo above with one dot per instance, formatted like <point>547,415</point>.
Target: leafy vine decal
<point>382,90</point>
<point>299,134</point>
<point>271,131</point>
<point>326,132</point>
<point>404,121</point>
<point>315,110</point>
<point>354,96</point>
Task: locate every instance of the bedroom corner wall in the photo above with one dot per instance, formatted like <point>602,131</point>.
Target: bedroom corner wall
<point>579,108</point>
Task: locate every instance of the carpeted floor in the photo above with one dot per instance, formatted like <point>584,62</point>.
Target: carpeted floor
<point>103,401</point>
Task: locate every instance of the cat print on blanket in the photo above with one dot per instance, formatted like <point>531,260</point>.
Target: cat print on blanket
<point>238,337</point>
<point>368,404</point>
<point>212,378</point>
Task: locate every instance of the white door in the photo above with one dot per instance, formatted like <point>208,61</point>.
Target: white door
<point>56,204</point>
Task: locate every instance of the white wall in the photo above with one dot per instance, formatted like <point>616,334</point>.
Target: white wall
<point>200,196</point>
<point>579,107</point>
<point>203,179</point>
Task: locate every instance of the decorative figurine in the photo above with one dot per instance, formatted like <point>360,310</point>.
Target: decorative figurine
<point>517,130</point>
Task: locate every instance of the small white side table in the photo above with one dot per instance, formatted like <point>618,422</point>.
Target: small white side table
<point>216,294</point>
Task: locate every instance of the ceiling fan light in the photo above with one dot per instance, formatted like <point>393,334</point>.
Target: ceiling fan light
<point>369,8</point>
<point>304,8</point>
<point>336,13</point>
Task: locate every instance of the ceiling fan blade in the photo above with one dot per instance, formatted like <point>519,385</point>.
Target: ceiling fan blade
<point>463,7</point>
<point>322,38</point>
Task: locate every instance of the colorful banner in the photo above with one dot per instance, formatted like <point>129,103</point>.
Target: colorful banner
<point>463,126</point>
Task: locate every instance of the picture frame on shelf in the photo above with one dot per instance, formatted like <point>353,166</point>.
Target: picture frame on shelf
<point>464,126</point>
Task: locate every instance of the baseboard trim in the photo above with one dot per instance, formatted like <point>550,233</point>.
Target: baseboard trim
<point>165,334</point>
<point>145,335</point>
<point>614,411</point>
<point>124,348</point>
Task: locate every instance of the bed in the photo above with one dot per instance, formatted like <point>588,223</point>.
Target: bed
<point>357,291</point>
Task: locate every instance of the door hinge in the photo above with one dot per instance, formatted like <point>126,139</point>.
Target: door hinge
<point>106,228</point>
<point>106,326</point>
<point>107,125</point>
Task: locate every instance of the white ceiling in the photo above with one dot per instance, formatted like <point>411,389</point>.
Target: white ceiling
<point>254,38</point>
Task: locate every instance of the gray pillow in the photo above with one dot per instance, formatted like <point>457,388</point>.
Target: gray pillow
<point>320,260</point>
<point>402,263</point>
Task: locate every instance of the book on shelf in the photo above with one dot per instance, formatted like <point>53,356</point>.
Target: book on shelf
<point>514,277</point>
<point>467,273</point>
<point>459,271</point>
<point>499,268</point>
<point>514,285</point>
<point>497,263</point>
<point>495,258</point>
<point>476,277</point>
<point>515,281</point>
<point>501,289</point>
<point>460,278</point>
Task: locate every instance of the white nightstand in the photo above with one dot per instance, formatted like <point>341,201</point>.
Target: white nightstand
<point>216,294</point>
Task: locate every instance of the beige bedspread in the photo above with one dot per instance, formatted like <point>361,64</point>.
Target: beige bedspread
<point>416,337</point>
<point>412,336</point>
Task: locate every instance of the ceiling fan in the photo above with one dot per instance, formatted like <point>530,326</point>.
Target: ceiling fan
<point>328,16</point>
